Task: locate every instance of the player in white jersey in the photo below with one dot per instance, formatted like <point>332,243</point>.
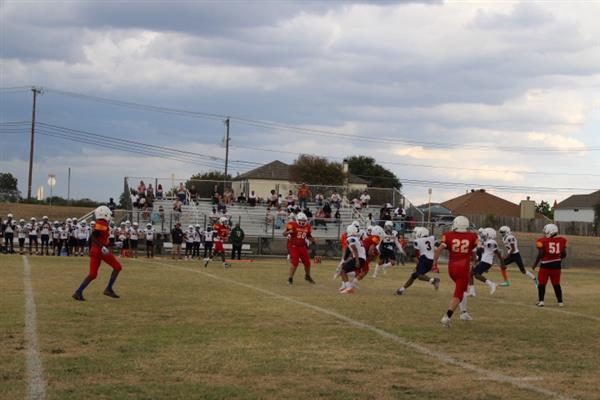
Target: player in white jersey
<point>189,236</point>
<point>490,249</point>
<point>208,236</point>
<point>513,254</point>
<point>21,235</point>
<point>7,229</point>
<point>83,234</point>
<point>356,263</point>
<point>55,237</point>
<point>197,241</point>
<point>425,245</point>
<point>134,237</point>
<point>150,234</point>
<point>111,235</point>
<point>44,232</point>
<point>64,238</point>
<point>388,247</point>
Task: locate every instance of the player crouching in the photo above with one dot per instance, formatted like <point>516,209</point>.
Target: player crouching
<point>99,252</point>
<point>425,245</point>
<point>299,232</point>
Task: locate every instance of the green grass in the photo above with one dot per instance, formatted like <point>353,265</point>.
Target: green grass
<point>178,333</point>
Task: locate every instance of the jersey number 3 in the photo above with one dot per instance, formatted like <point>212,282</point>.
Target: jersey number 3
<point>460,246</point>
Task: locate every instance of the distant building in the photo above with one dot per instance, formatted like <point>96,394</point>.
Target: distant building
<point>480,202</point>
<point>577,208</point>
<point>276,176</point>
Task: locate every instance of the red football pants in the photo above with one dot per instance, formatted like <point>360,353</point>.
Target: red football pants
<point>95,261</point>
<point>553,274</point>
<point>297,254</point>
<point>460,276</point>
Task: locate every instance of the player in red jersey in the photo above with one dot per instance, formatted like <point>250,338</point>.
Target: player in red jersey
<point>460,244</point>
<point>221,230</point>
<point>99,252</point>
<point>551,250</point>
<point>298,232</point>
<point>371,245</point>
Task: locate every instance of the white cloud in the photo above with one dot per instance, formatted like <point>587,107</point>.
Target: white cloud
<point>559,142</point>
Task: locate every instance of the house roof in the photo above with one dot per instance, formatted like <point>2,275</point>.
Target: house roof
<point>436,209</point>
<point>480,202</point>
<point>280,171</point>
<point>580,201</point>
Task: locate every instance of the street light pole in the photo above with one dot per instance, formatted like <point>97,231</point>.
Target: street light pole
<point>429,212</point>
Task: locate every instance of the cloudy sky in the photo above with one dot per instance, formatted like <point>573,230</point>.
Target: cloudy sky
<point>449,95</point>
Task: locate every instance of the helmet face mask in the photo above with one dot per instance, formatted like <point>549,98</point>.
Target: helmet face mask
<point>302,219</point>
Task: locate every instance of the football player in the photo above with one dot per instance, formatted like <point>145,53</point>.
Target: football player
<point>355,261</point>
<point>8,230</point>
<point>425,246</point>
<point>513,254</point>
<point>133,239</point>
<point>197,241</point>
<point>21,234</point>
<point>551,251</point>
<point>99,252</point>
<point>149,234</point>
<point>460,244</point>
<point>221,230</point>
<point>298,232</point>
<point>55,237</point>
<point>45,229</point>
<point>388,247</point>
<point>32,232</point>
<point>64,239</point>
<point>208,237</point>
<point>189,237</point>
<point>490,249</point>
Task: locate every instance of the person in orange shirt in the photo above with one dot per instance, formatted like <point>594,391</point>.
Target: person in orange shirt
<point>303,195</point>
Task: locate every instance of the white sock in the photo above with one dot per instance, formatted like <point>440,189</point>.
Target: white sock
<point>471,289</point>
<point>431,280</point>
<point>377,269</point>
<point>463,304</point>
<point>387,265</point>
<point>530,275</point>
<point>489,283</point>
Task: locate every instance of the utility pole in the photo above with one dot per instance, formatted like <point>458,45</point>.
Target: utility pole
<point>226,152</point>
<point>35,93</point>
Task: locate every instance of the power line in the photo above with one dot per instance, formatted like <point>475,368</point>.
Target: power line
<point>309,131</point>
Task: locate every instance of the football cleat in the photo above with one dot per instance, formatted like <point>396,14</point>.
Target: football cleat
<point>206,261</point>
<point>110,293</point>
<point>446,322</point>
<point>308,278</point>
<point>226,265</point>
<point>505,283</point>
<point>349,290</point>
<point>78,296</point>
<point>493,288</point>
<point>400,291</point>
<point>290,281</point>
<point>540,304</point>
<point>465,316</point>
<point>436,283</point>
<point>561,304</point>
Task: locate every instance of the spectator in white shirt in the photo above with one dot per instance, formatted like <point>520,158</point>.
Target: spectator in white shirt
<point>365,198</point>
<point>336,200</point>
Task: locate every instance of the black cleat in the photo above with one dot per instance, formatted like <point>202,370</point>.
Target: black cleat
<point>78,296</point>
<point>307,278</point>
<point>436,283</point>
<point>110,293</point>
<point>290,281</point>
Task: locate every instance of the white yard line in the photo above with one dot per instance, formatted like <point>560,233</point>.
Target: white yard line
<point>36,386</point>
<point>442,357</point>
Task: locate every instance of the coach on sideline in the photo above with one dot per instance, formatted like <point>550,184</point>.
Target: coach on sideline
<point>237,238</point>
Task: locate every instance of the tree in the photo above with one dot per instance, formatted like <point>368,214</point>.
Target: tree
<point>544,208</point>
<point>7,181</point>
<point>316,170</point>
<point>203,183</point>
<point>377,176</point>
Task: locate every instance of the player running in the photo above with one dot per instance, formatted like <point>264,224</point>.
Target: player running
<point>298,232</point>
<point>425,245</point>
<point>221,230</point>
<point>99,252</point>
<point>460,244</point>
<point>551,251</point>
<point>513,254</point>
<point>356,261</point>
<point>388,247</point>
<point>490,249</point>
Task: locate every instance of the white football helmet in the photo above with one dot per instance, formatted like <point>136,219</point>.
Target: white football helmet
<point>149,225</point>
<point>490,234</point>
<point>190,227</point>
<point>504,230</point>
<point>102,212</point>
<point>550,230</point>
<point>69,220</point>
<point>301,218</point>
<point>480,232</point>
<point>460,224</point>
<point>352,230</point>
<point>83,223</point>
<point>45,218</point>
<point>21,221</point>
<point>421,232</point>
<point>388,225</point>
<point>32,219</point>
<point>378,231</point>
<point>356,224</point>
<point>223,220</point>
<point>369,230</point>
<point>127,223</point>
<point>135,224</point>
<point>9,215</point>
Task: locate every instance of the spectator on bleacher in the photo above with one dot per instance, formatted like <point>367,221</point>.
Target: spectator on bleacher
<point>319,199</point>
<point>399,213</point>
<point>290,199</point>
<point>365,198</point>
<point>281,216</point>
<point>161,213</point>
<point>327,208</point>
<point>303,195</point>
<point>213,217</point>
<point>385,214</point>
<point>356,204</point>
<point>252,199</point>
<point>336,200</point>
<point>237,240</point>
<point>177,240</point>
<point>241,198</point>
<point>111,205</point>
<point>150,197</point>
<point>370,221</point>
<point>159,191</point>
<point>273,199</point>
<point>337,216</point>
<point>228,196</point>
<point>320,218</point>
<point>177,209</point>
<point>216,196</point>
<point>193,193</point>
<point>141,189</point>
<point>221,207</point>
<point>182,193</point>
<point>308,213</point>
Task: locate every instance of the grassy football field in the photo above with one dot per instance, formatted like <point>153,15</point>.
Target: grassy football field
<point>182,331</point>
